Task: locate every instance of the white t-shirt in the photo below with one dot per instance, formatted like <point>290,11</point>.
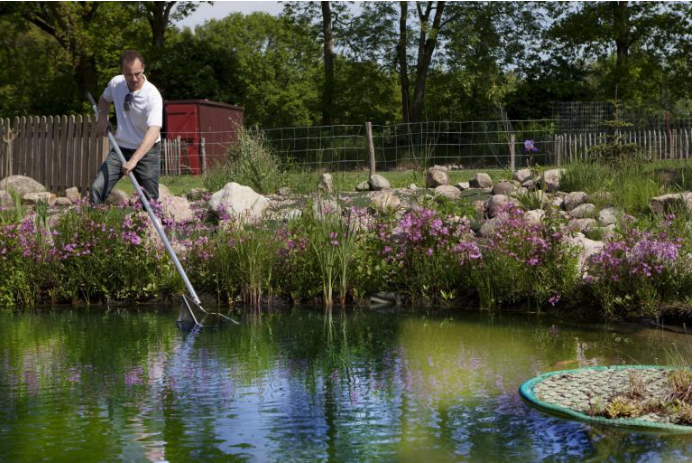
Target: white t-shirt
<point>145,111</point>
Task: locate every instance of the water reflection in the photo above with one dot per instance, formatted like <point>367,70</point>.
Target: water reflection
<point>305,385</point>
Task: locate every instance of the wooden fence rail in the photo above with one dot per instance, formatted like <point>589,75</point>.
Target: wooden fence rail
<point>654,144</point>
<point>64,151</point>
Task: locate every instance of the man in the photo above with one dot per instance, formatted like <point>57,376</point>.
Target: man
<point>139,116</point>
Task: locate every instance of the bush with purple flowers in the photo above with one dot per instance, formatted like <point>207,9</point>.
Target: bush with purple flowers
<point>638,270</point>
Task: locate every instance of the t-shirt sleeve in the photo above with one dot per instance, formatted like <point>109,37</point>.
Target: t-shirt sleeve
<point>154,116</point>
<point>109,91</point>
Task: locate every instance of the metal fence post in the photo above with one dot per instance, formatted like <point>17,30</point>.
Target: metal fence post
<point>512,151</point>
<point>370,145</point>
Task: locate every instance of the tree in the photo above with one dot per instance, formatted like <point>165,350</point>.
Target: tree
<point>329,80</point>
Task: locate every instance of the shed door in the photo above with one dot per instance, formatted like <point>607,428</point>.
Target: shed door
<point>182,121</point>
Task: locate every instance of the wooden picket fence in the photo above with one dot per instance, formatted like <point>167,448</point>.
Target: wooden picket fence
<point>64,151</point>
<point>654,144</point>
<point>57,151</point>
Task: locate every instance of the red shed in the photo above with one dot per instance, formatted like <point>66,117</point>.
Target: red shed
<point>207,127</point>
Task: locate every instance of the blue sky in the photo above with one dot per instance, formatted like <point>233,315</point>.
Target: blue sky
<point>221,9</point>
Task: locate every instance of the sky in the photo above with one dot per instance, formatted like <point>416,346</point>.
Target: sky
<point>219,10</point>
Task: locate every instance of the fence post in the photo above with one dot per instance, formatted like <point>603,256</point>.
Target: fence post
<point>512,151</point>
<point>370,146</point>
<point>178,151</point>
<point>203,158</point>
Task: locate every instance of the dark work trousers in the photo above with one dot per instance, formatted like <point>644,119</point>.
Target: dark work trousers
<point>146,173</point>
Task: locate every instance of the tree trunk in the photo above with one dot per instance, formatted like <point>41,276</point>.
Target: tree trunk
<point>86,76</point>
<point>622,45</point>
<point>329,77</point>
<point>401,50</point>
<point>427,44</point>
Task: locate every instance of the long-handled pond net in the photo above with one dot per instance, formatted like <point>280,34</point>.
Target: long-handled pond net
<point>190,304</point>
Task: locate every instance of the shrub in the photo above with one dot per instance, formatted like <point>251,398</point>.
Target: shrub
<point>637,270</point>
<point>250,161</point>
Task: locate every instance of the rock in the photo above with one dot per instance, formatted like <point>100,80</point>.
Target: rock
<point>292,214</point>
<point>574,199</point>
<point>177,208</point>
<point>480,205</point>
<point>412,187</point>
<point>385,199</point>
<point>489,227</point>
<point>448,191</point>
<point>436,177</point>
<point>504,188</point>
<point>530,184</point>
<point>21,184</point>
<point>363,186</point>
<point>238,201</point>
<point>671,203</point>
<point>442,168</point>
<point>481,180</point>
<point>557,201</point>
<point>608,216</point>
<point>463,186</point>
<point>196,194</point>
<point>378,183</point>
<point>117,197</point>
<point>582,225</point>
<point>587,249</point>
<point>73,194</point>
<point>498,202</point>
<point>583,211</point>
<point>534,217</point>
<point>324,207</point>
<point>551,178</point>
<point>326,183</point>
<point>379,300</point>
<point>63,201</point>
<point>523,175</point>
<point>34,198</point>
<point>164,192</point>
<point>6,199</point>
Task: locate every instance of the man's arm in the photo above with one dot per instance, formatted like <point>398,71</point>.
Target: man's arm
<point>147,143</point>
<point>103,121</point>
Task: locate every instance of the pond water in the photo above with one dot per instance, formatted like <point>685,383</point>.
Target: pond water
<point>87,385</point>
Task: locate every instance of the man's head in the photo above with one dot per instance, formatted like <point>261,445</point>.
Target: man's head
<point>133,69</point>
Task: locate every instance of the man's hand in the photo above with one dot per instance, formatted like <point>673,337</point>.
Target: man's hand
<point>128,167</point>
<point>102,126</point>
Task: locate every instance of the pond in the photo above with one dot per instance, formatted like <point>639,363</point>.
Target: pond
<point>307,385</point>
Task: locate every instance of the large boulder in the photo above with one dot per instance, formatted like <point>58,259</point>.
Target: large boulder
<point>448,191</point>
<point>21,184</point>
<point>164,192</point>
<point>504,188</point>
<point>480,180</point>
<point>378,182</point>
<point>363,186</point>
<point>63,202</point>
<point>551,180</point>
<point>497,203</point>
<point>670,202</point>
<point>436,176</point>
<point>177,208</point>
<point>587,248</point>
<point>574,199</point>
<point>238,201</point>
<point>523,175</point>
<point>385,199</point>
<point>583,211</point>
<point>463,186</point>
<point>6,199</point>
<point>117,197</point>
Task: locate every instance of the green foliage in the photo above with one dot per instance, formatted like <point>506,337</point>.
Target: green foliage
<point>249,162</point>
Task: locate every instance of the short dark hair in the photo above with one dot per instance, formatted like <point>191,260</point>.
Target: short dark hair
<point>129,56</point>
